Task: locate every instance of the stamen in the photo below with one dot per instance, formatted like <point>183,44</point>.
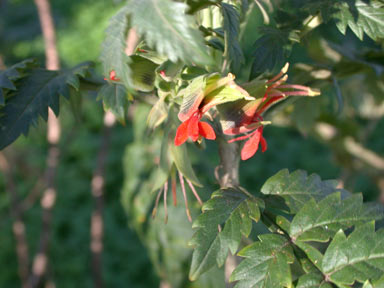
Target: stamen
<point>165,202</point>
<point>154,211</point>
<point>185,197</point>
<point>295,86</point>
<point>282,72</point>
<point>243,137</point>
<point>173,179</point>
<point>296,93</point>
<point>277,83</point>
<point>194,192</point>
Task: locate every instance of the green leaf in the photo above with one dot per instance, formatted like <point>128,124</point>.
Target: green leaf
<point>182,162</point>
<point>362,17</point>
<point>8,76</point>
<point>196,5</point>
<point>166,27</point>
<point>36,92</point>
<point>311,280</point>
<point>115,99</point>
<point>298,188</point>
<point>113,54</point>
<point>231,25</point>
<point>226,216</point>
<point>358,257</point>
<point>207,91</point>
<point>266,264</point>
<point>270,51</point>
<point>143,78</point>
<point>320,221</point>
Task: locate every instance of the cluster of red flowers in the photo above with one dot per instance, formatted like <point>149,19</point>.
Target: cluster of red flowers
<point>252,122</point>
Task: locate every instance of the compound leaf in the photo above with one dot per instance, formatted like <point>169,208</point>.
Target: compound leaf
<point>227,216</point>
<point>297,188</point>
<point>362,17</point>
<point>267,263</point>
<point>36,92</point>
<point>320,221</point>
<point>232,48</point>
<point>166,27</point>
<point>358,257</point>
<point>113,54</point>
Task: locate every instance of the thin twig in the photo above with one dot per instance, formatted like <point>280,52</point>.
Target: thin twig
<point>40,261</point>
<point>98,180</point>
<point>98,202</point>
<point>18,225</point>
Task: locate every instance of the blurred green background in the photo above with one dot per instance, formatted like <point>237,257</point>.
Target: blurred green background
<point>308,134</point>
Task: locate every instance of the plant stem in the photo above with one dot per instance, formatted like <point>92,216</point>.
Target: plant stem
<point>228,171</point>
<point>228,176</point>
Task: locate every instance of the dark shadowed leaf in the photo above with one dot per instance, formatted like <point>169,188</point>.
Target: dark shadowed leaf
<point>36,92</point>
<point>8,76</point>
<point>232,46</point>
<point>115,99</point>
<point>270,51</point>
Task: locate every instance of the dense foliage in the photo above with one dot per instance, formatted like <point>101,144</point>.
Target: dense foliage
<point>219,70</point>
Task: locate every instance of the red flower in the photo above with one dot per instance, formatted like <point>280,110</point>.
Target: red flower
<point>252,145</point>
<point>194,128</point>
<point>112,76</point>
<point>275,90</point>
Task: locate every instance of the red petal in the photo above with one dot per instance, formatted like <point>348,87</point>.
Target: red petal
<point>263,144</point>
<point>193,127</point>
<point>250,147</point>
<point>206,131</point>
<point>181,133</point>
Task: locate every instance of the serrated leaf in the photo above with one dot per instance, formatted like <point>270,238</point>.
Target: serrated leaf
<point>167,28</point>
<point>270,51</point>
<point>8,76</point>
<point>35,92</point>
<point>113,54</point>
<point>362,17</point>
<point>267,263</point>
<point>115,99</point>
<point>232,48</point>
<point>298,188</point>
<point>227,216</point>
<point>358,257</point>
<point>320,221</point>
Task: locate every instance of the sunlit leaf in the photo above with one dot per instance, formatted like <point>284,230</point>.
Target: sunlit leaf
<point>266,263</point>
<point>227,216</point>
<point>166,27</point>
